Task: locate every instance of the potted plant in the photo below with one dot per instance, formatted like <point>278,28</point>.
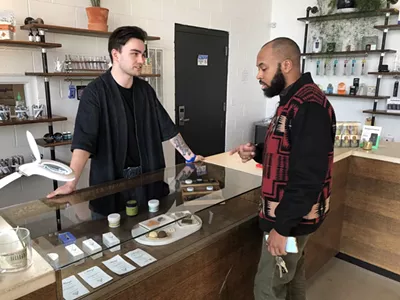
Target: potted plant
<point>97,16</point>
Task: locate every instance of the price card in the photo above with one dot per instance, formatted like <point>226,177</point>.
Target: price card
<point>140,257</point>
<point>73,288</point>
<point>118,265</point>
<point>95,277</point>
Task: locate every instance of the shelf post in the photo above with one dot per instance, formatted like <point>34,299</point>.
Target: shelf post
<point>50,125</point>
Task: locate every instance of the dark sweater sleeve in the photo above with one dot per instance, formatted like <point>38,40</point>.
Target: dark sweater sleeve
<point>259,153</point>
<point>312,141</point>
<point>167,127</point>
<point>87,123</point>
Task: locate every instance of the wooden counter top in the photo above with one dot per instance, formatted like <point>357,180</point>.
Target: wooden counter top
<point>389,152</point>
<point>39,275</point>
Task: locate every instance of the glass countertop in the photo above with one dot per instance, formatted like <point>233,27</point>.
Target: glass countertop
<point>182,191</point>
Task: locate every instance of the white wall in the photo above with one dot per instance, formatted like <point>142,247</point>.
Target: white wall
<point>246,21</point>
<point>346,109</point>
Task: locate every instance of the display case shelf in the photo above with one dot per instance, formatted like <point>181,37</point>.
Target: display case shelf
<point>15,121</point>
<point>350,15</point>
<point>75,31</point>
<point>27,44</point>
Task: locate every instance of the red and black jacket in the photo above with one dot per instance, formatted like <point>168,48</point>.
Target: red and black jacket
<point>297,159</point>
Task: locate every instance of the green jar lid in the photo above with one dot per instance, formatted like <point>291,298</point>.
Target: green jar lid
<point>131,203</point>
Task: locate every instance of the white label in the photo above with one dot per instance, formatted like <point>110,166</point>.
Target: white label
<point>73,288</point>
<point>95,277</point>
<point>118,265</point>
<point>202,60</point>
<point>140,257</point>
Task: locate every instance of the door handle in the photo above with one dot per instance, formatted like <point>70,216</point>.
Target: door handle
<point>182,119</point>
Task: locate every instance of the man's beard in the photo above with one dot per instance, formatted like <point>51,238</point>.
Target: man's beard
<point>278,84</point>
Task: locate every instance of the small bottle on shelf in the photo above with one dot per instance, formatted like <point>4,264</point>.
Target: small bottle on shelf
<point>31,36</point>
<point>37,37</point>
<point>42,36</point>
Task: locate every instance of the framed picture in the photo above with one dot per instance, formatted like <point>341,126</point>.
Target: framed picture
<point>369,41</point>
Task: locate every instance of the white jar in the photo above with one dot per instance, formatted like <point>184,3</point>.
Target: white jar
<point>154,205</point>
<point>114,220</point>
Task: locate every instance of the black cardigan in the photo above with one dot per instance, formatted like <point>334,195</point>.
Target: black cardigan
<point>101,129</point>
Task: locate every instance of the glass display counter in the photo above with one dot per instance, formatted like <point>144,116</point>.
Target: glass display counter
<point>129,229</point>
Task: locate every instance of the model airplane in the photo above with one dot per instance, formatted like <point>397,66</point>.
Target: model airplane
<point>42,167</point>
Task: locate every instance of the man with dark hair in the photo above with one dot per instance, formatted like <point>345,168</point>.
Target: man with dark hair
<point>120,123</point>
<point>297,159</point>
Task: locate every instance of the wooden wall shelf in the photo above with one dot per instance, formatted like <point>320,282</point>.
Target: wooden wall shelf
<point>77,74</point>
<point>27,44</point>
<point>42,143</point>
<point>349,53</point>
<point>381,112</point>
<point>32,121</point>
<point>75,31</point>
<point>359,97</point>
<point>351,15</point>
<point>390,27</point>
<point>385,73</point>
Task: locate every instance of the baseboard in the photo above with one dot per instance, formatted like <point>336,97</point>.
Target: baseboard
<point>369,267</point>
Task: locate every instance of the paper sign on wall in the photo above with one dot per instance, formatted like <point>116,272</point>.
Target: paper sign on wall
<point>202,60</point>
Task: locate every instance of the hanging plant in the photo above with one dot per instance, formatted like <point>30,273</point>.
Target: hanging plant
<point>95,3</point>
<point>370,5</point>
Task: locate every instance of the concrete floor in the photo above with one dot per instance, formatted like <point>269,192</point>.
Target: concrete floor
<point>339,280</point>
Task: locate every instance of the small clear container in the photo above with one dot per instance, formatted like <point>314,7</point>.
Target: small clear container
<point>5,113</point>
<point>15,249</point>
<point>38,111</point>
<point>22,112</point>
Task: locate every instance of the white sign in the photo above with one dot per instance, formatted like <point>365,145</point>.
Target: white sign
<point>73,288</point>
<point>140,257</point>
<point>95,277</point>
<point>118,265</point>
<point>202,60</point>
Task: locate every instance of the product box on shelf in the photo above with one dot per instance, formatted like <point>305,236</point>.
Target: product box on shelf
<point>347,134</point>
<point>393,105</point>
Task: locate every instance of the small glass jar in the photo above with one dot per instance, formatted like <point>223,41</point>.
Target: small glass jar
<point>5,113</point>
<point>131,208</point>
<point>15,249</point>
<point>38,111</point>
<point>22,112</point>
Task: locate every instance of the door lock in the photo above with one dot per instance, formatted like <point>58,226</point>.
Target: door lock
<point>182,119</point>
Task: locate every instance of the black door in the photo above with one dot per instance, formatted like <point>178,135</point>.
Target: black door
<point>201,74</point>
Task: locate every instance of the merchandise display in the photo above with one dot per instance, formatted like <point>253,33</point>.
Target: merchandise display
<point>348,134</point>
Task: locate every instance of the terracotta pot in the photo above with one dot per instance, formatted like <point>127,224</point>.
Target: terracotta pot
<point>97,18</point>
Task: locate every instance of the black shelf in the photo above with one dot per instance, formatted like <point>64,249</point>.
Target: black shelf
<point>350,15</point>
<point>75,31</point>
<point>27,44</point>
<point>385,73</point>
<point>349,53</point>
<point>381,112</point>
<point>15,121</point>
<point>390,27</point>
<point>42,143</point>
<point>359,97</point>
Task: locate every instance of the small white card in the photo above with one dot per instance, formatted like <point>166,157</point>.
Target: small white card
<point>118,265</point>
<point>140,257</point>
<point>95,277</point>
<point>73,288</point>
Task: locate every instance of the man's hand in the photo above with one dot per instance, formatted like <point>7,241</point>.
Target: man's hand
<point>199,158</point>
<point>276,243</point>
<point>246,152</point>
<point>66,189</point>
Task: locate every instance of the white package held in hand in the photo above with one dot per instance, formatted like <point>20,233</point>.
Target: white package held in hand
<point>291,245</point>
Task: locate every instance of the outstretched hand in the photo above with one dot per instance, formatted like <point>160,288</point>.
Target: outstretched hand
<point>246,152</point>
<point>199,158</point>
<point>66,189</point>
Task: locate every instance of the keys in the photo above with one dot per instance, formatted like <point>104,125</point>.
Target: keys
<point>281,265</point>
